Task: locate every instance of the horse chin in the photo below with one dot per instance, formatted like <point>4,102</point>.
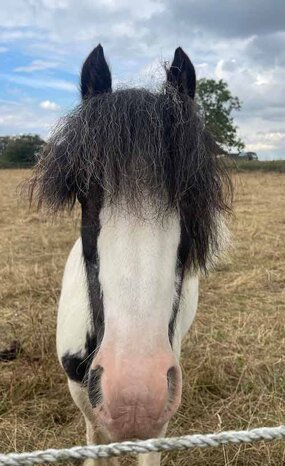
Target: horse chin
<point>129,426</point>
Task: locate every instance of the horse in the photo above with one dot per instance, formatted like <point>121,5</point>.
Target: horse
<point>154,196</point>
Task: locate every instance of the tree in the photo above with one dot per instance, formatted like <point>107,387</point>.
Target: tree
<point>217,105</point>
<point>4,140</point>
<point>19,151</point>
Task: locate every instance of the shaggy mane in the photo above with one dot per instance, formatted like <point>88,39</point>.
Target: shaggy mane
<point>131,142</point>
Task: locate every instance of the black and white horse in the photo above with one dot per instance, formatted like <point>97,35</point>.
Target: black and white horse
<point>153,195</point>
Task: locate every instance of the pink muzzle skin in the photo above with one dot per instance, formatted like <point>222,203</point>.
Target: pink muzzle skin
<point>139,393</point>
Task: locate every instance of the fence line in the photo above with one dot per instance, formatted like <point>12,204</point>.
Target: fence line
<point>145,446</point>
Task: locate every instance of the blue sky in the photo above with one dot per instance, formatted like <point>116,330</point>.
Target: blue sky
<point>44,42</point>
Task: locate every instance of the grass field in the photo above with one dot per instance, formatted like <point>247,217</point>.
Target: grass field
<point>233,358</point>
<point>240,165</point>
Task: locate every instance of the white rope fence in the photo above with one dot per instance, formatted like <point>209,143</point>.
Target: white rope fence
<point>146,446</point>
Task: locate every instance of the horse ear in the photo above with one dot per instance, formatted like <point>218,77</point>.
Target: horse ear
<point>182,74</point>
<point>95,75</point>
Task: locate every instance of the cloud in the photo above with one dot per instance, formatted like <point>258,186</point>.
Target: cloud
<point>41,83</point>
<point>267,50</point>
<point>25,116</point>
<point>226,18</point>
<point>14,34</point>
<point>36,65</point>
<point>48,105</point>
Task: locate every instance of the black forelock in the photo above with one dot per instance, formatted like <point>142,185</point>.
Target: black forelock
<point>135,142</point>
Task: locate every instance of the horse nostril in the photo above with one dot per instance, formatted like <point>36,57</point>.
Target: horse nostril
<point>94,386</point>
<point>172,380</point>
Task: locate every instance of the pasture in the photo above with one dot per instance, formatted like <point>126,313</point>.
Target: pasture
<point>233,358</point>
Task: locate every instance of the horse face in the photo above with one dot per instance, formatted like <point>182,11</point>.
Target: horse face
<point>140,379</point>
<point>135,378</point>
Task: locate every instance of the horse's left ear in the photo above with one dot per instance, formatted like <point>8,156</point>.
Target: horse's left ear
<point>95,75</point>
<point>182,74</point>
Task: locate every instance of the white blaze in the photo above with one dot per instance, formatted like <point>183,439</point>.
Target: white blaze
<point>137,274</point>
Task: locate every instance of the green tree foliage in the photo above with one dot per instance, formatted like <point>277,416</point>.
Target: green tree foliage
<point>217,105</point>
<point>19,151</point>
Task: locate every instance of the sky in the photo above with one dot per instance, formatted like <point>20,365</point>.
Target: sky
<point>43,44</point>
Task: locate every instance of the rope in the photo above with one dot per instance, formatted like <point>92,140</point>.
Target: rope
<point>146,446</point>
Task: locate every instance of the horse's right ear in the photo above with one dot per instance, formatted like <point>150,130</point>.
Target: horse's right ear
<point>95,75</point>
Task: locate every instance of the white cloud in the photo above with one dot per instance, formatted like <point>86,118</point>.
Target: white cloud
<point>48,105</point>
<point>25,117</point>
<point>43,83</point>
<point>36,65</point>
<point>14,33</point>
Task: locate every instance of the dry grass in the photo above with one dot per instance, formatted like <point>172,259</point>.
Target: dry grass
<point>233,358</point>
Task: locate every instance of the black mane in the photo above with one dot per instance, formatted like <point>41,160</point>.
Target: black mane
<point>132,143</point>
